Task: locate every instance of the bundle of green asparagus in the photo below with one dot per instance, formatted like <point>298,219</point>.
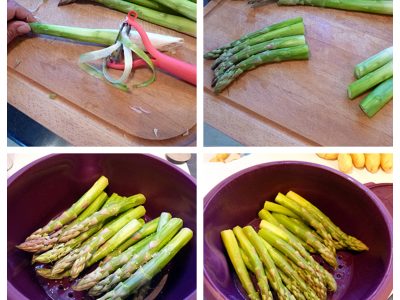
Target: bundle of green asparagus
<point>111,230</point>
<point>384,7</point>
<point>279,256</point>
<point>375,72</point>
<point>278,42</point>
<point>179,15</point>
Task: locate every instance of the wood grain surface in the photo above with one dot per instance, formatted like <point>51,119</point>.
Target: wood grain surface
<point>39,66</point>
<point>300,102</point>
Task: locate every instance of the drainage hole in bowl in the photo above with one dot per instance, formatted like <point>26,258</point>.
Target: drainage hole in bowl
<point>71,294</point>
<point>340,266</point>
<point>338,276</point>
<point>60,287</point>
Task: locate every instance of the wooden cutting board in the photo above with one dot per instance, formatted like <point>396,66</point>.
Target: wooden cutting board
<point>300,102</point>
<point>87,111</point>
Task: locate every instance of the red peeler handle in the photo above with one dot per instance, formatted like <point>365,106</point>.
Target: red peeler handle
<point>175,67</point>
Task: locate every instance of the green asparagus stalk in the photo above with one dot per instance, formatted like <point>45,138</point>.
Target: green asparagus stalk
<point>144,255</point>
<point>283,265</point>
<point>370,80</point>
<point>305,214</point>
<point>292,287</point>
<point>153,5</point>
<point>164,218</point>
<point>246,261</point>
<point>151,268</point>
<point>247,52</point>
<point>270,268</point>
<point>309,238</point>
<point>78,257</point>
<point>267,216</point>
<point>61,250</point>
<point>295,29</point>
<point>352,242</point>
<point>269,56</point>
<point>146,230</point>
<point>102,271</point>
<point>177,23</point>
<point>255,261</point>
<point>105,213</point>
<point>378,98</point>
<point>213,54</point>
<point>121,236</point>
<point>384,7</point>
<point>374,62</point>
<point>234,253</point>
<point>73,212</point>
<point>47,242</point>
<point>184,7</point>
<point>274,207</point>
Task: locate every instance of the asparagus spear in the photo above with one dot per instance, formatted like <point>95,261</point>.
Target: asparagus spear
<point>184,7</point>
<point>124,233</point>
<point>61,250</point>
<point>234,253</point>
<point>147,229</point>
<point>267,216</point>
<point>295,29</point>
<point>102,271</point>
<point>309,238</point>
<point>246,261</point>
<point>164,218</point>
<point>47,242</point>
<point>213,54</point>
<point>177,23</point>
<point>78,257</point>
<point>255,261</point>
<point>247,52</point>
<point>335,231</point>
<point>274,207</point>
<point>270,268</point>
<point>370,6</point>
<point>378,98</point>
<point>293,53</point>
<point>144,255</point>
<point>47,273</point>
<point>370,80</point>
<point>73,212</point>
<point>292,287</point>
<point>154,5</point>
<point>150,269</point>
<point>103,214</point>
<point>374,62</point>
<point>282,263</point>
<point>307,216</point>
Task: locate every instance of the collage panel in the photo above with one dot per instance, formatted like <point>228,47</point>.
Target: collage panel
<point>101,226</point>
<point>298,73</point>
<point>101,73</point>
<point>298,226</point>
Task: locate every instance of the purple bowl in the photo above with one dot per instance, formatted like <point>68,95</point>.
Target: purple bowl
<point>350,205</point>
<point>49,185</point>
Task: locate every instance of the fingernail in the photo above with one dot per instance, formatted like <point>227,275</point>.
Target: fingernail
<point>24,28</point>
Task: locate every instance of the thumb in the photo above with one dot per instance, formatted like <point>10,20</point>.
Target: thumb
<point>16,28</point>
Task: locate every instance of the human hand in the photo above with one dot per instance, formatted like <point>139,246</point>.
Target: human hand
<point>17,18</point>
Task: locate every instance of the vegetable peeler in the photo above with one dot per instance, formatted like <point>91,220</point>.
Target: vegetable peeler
<point>173,66</point>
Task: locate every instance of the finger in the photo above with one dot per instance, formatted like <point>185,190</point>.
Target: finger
<point>15,11</point>
<point>16,28</point>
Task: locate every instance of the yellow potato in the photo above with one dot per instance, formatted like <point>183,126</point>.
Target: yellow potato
<point>358,160</point>
<point>328,156</point>
<point>387,162</point>
<point>372,162</point>
<point>345,162</point>
<point>220,157</point>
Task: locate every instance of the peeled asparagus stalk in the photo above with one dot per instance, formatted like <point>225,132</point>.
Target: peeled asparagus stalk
<point>378,98</point>
<point>374,62</point>
<point>105,36</point>
<point>151,268</point>
<point>73,212</point>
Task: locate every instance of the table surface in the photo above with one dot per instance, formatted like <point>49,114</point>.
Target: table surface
<point>87,111</point>
<point>300,102</point>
